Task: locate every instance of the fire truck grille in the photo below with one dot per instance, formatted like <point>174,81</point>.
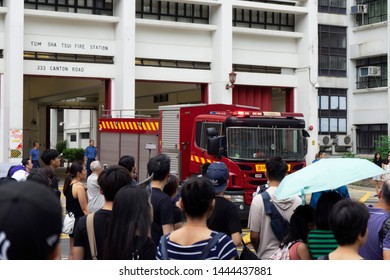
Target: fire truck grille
<point>245,167</point>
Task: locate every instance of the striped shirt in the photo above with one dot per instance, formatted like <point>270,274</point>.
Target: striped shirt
<point>321,242</point>
<point>223,250</point>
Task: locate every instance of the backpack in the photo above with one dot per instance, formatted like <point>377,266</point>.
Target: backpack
<point>283,252</point>
<point>280,226</point>
<point>206,250</point>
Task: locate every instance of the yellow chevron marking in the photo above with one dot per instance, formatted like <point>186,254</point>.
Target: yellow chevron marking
<point>147,125</point>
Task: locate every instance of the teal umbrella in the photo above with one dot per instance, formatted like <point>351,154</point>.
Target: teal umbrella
<point>326,174</point>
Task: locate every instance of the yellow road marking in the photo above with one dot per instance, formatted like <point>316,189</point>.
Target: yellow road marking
<point>246,238</point>
<point>365,197</point>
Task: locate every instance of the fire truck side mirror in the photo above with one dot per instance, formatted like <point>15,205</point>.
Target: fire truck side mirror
<point>305,133</point>
<point>211,132</point>
<point>213,146</point>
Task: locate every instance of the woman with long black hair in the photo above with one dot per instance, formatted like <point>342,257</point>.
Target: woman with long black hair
<point>129,231</point>
<point>379,178</point>
<point>76,196</point>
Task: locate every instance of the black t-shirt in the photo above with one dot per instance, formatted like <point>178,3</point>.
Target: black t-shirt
<point>178,216</point>
<point>162,213</point>
<point>147,252</point>
<point>101,223</point>
<point>225,217</point>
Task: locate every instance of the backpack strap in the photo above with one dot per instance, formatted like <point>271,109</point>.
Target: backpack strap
<point>382,233</point>
<point>212,242</point>
<point>163,246</point>
<point>269,207</point>
<point>279,224</point>
<point>91,235</point>
<point>267,203</point>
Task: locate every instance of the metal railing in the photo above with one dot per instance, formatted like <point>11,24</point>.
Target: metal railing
<point>130,113</point>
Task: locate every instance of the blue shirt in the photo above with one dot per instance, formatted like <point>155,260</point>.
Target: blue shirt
<point>371,250</point>
<point>90,152</point>
<point>34,153</point>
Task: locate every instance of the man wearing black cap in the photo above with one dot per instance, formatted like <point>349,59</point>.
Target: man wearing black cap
<point>30,222</point>
<point>225,217</point>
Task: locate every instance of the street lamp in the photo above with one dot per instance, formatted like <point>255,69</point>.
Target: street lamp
<point>232,80</point>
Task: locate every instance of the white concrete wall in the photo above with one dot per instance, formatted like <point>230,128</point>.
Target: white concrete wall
<point>12,94</point>
<point>79,121</point>
<point>371,105</point>
<point>218,42</point>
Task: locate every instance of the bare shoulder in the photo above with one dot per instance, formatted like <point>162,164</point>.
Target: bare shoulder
<point>79,185</point>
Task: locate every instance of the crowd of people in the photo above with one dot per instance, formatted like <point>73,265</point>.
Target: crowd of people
<point>116,218</point>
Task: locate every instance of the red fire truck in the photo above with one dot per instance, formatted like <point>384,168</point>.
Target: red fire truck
<point>192,135</point>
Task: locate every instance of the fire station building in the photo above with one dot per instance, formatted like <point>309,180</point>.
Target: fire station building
<point>65,63</point>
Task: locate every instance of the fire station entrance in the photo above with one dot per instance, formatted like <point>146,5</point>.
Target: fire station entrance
<point>58,108</point>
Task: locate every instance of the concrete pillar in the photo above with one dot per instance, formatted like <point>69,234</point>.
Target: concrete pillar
<point>123,88</point>
<point>222,41</point>
<point>306,94</point>
<point>11,105</point>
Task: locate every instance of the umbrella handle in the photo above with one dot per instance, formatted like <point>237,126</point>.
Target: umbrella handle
<point>303,197</point>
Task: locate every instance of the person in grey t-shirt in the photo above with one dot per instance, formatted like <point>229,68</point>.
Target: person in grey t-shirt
<point>95,198</point>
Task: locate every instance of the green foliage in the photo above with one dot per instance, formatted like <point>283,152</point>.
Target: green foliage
<point>349,155</point>
<point>73,154</point>
<point>382,145</point>
<point>61,146</point>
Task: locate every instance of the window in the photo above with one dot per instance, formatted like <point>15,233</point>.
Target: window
<point>263,20</point>
<point>84,135</point>
<point>372,81</point>
<point>201,132</point>
<point>73,137</point>
<point>68,57</point>
<point>366,135</point>
<point>257,69</point>
<point>332,6</point>
<point>172,63</point>
<point>332,51</point>
<point>160,98</point>
<point>376,12</point>
<point>172,11</point>
<point>95,7</point>
<point>332,111</point>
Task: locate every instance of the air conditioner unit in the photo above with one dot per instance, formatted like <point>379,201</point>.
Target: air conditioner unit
<point>344,140</point>
<point>325,140</point>
<point>359,9</point>
<point>369,71</point>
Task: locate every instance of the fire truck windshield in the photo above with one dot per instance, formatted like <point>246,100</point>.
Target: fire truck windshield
<point>253,143</point>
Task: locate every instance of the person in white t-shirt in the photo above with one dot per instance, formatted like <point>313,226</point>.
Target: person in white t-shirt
<point>95,197</point>
<point>262,237</point>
